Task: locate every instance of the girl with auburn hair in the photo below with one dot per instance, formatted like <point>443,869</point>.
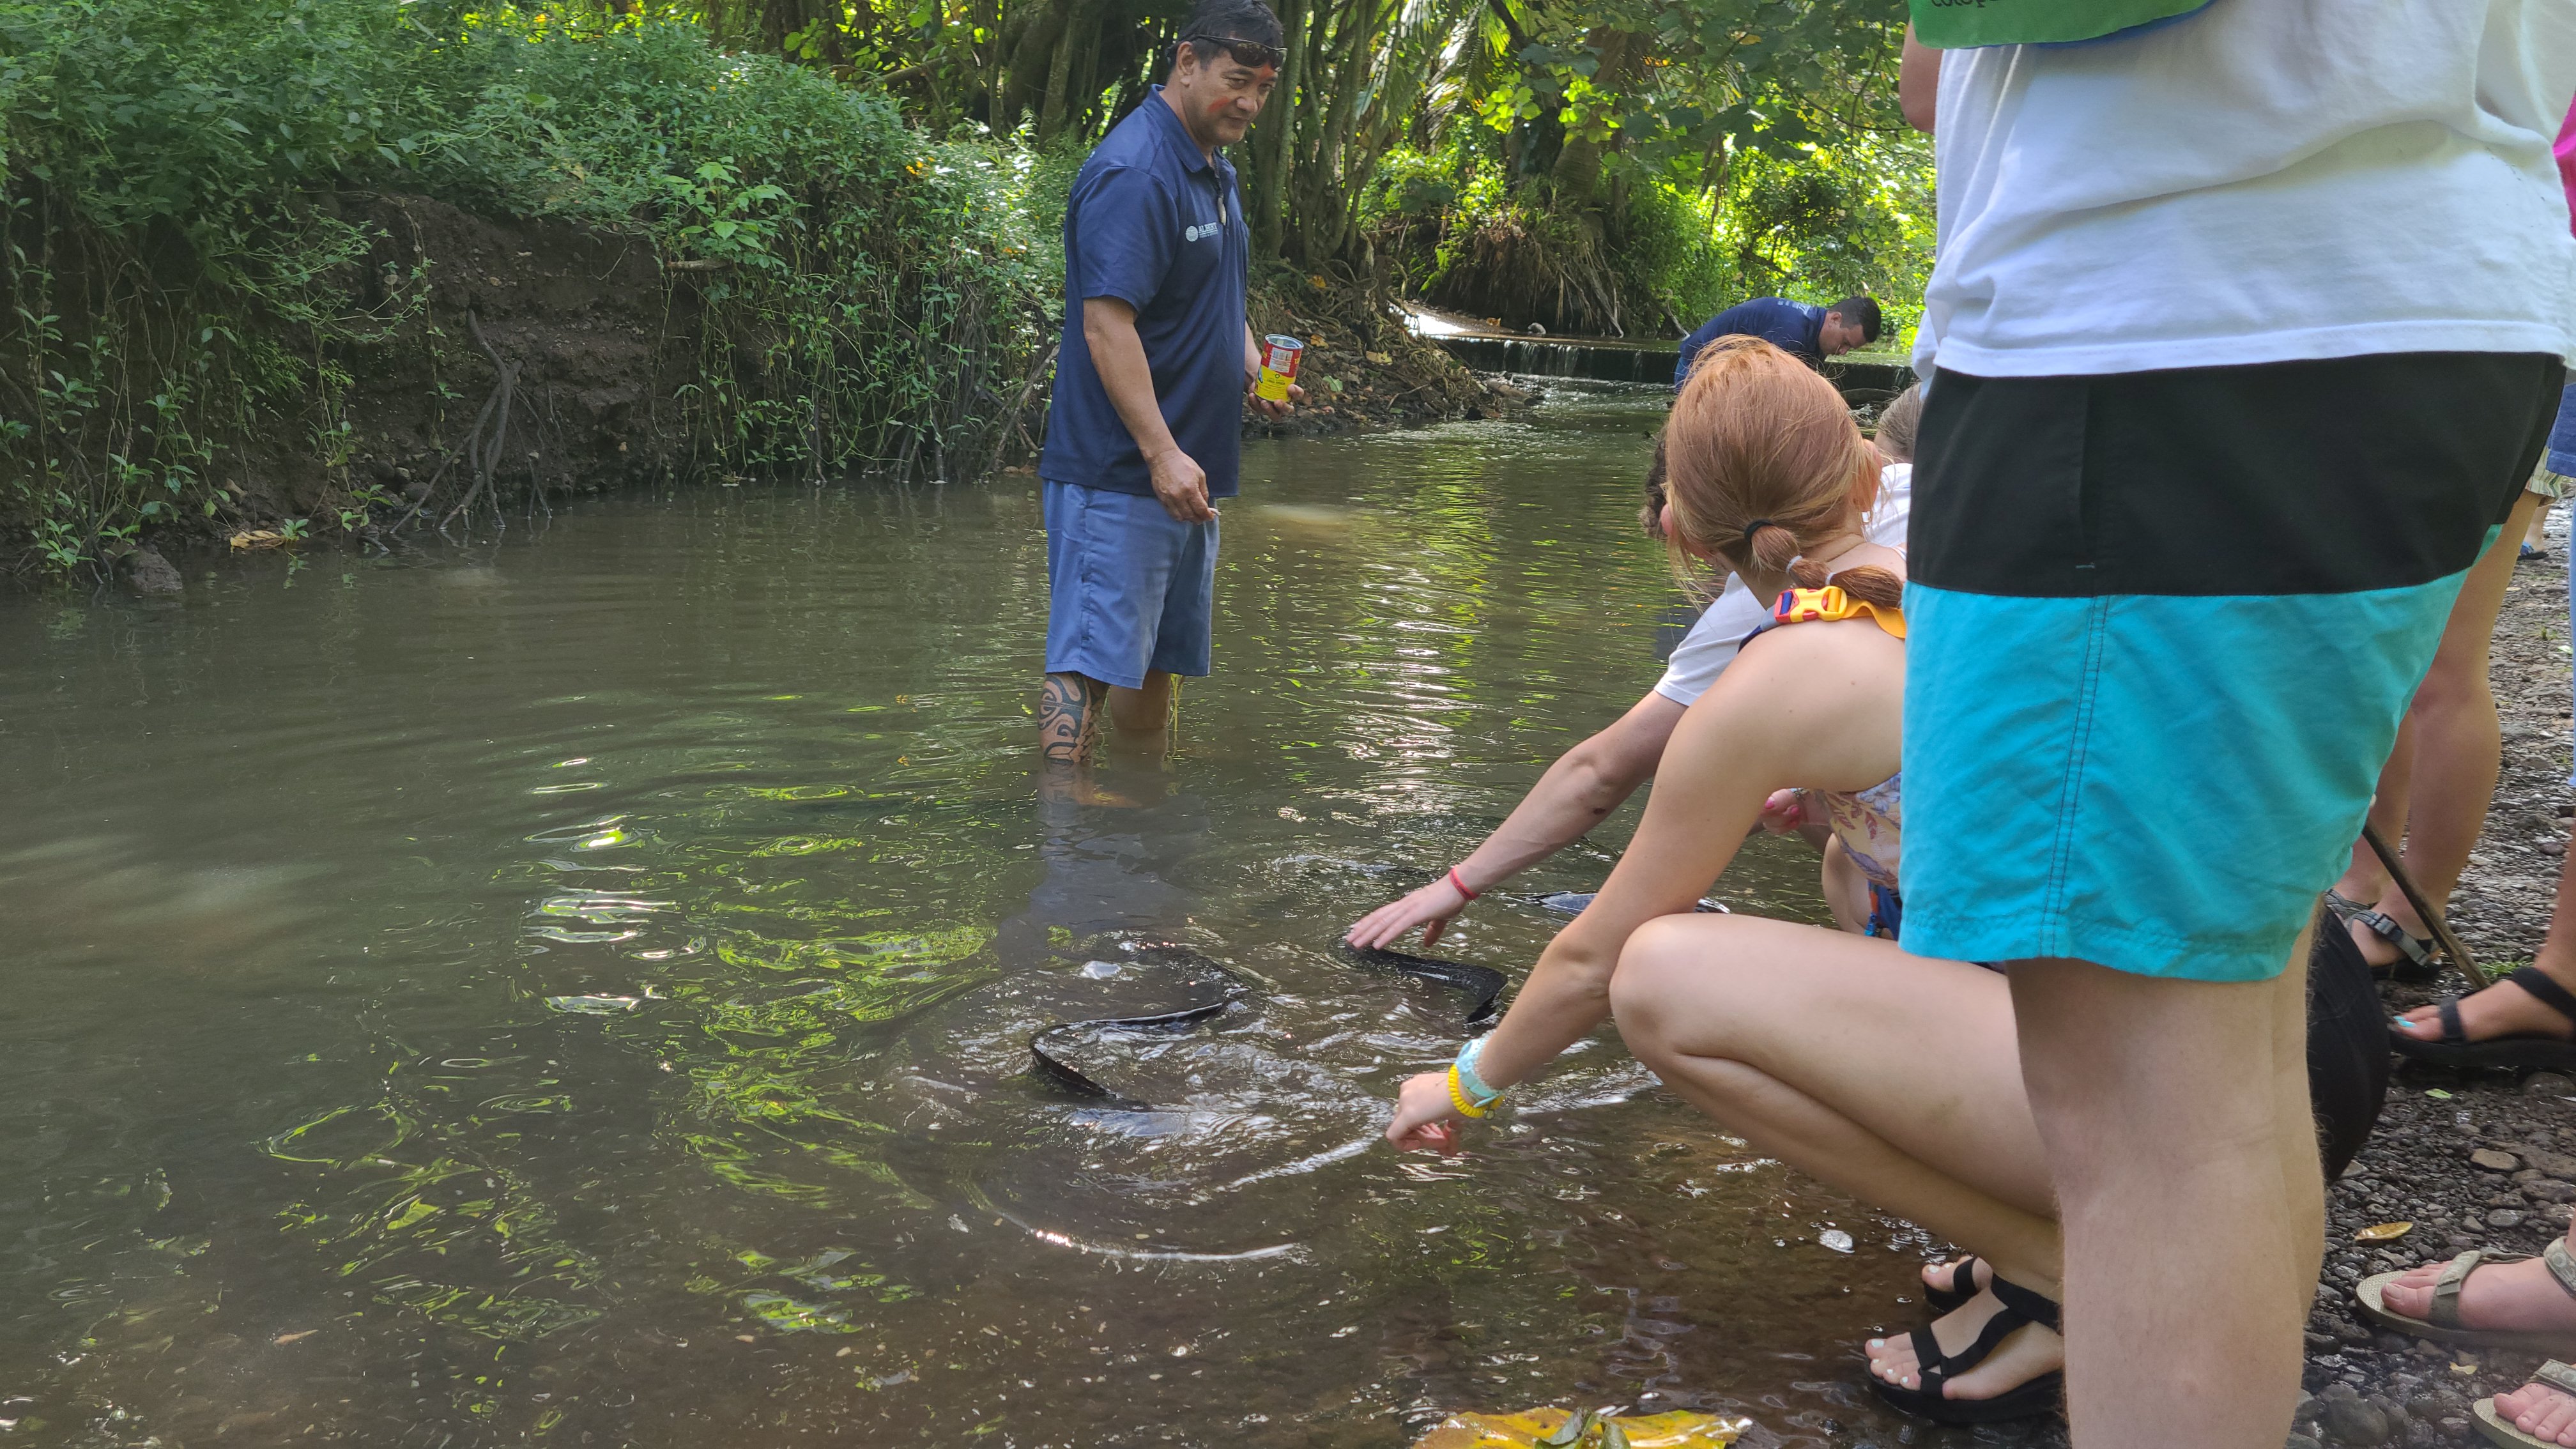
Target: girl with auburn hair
<point>1894,1077</point>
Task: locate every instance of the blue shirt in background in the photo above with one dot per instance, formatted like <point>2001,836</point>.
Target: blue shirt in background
<point>1159,226</point>
<point>1793,327</point>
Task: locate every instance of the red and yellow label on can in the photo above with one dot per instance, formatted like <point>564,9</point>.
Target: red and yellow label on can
<point>1279,358</point>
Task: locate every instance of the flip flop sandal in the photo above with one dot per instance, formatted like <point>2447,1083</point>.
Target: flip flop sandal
<point>2519,1052</point>
<point>2443,1324</point>
<point>2500,1430</point>
<point>1945,1299</point>
<point>2414,953</point>
<point>2042,1395</point>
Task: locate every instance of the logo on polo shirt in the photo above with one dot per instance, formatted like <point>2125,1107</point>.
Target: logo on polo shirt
<point>1196,232</point>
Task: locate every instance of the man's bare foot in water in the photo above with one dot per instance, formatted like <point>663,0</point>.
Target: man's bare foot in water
<point>2501,1010</point>
<point>2029,1351</point>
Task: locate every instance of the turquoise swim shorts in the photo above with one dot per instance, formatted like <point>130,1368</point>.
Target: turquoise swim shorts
<point>2162,628</point>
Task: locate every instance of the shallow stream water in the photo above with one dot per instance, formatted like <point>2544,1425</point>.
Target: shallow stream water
<point>572,988</point>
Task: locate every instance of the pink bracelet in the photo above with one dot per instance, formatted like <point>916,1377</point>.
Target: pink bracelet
<point>1459,885</point>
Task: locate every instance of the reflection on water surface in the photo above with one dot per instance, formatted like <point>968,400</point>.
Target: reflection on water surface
<point>575,990</point>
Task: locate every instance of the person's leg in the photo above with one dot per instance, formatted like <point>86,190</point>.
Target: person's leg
<point>2505,1009</point>
<point>2457,749</point>
<point>1184,631</point>
<point>1890,1076</point>
<point>2365,879</point>
<point>2176,1121</point>
<point>2535,535</point>
<point>1846,890</point>
<point>1147,712</point>
<point>1069,708</point>
<point>1109,566</point>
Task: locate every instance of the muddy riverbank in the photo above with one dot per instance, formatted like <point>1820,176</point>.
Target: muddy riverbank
<point>544,359</point>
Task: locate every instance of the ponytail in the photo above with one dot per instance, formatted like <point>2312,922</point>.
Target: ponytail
<point>1869,584</point>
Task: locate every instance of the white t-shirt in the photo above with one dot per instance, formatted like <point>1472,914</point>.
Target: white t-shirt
<point>1711,643</point>
<point>2265,180</point>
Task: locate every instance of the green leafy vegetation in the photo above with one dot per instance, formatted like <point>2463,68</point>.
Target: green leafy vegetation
<point>191,269</point>
<point>850,211</point>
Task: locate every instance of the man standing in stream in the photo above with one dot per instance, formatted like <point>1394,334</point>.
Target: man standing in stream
<point>1157,357</point>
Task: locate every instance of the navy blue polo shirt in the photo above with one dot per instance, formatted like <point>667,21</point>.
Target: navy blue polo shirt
<point>1159,226</point>
<point>1793,327</point>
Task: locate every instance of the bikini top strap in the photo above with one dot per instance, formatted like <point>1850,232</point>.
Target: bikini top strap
<point>1825,605</point>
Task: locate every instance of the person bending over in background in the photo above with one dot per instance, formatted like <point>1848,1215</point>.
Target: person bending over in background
<point>1807,332</point>
<point>1155,362</point>
<point>1597,776</point>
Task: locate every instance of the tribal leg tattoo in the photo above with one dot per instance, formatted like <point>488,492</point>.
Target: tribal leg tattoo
<point>1069,707</point>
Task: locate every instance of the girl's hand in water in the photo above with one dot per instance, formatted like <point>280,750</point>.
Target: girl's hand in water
<point>1784,811</point>
<point>1423,1116</point>
<point>1431,908</point>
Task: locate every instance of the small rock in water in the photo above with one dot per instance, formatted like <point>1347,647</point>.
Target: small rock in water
<point>2494,1161</point>
<point>2548,1084</point>
<point>1836,1239</point>
<point>145,571</point>
<point>1100,970</point>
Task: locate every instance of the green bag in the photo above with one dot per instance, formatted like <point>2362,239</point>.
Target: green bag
<point>1967,24</point>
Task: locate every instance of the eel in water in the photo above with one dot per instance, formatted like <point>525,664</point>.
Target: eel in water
<point>1481,985</point>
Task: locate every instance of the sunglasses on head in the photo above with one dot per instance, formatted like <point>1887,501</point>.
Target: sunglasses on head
<point>1245,52</point>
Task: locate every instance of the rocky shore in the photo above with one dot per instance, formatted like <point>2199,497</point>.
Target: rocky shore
<point>2471,1161</point>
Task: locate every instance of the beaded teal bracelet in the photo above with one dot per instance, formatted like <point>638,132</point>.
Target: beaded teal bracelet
<point>1467,1077</point>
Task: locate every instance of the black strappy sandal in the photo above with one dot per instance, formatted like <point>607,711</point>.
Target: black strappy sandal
<point>1945,1299</point>
<point>2414,962</point>
<point>2515,1053</point>
<point>2042,1395</point>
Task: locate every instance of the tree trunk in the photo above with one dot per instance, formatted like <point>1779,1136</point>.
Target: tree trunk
<point>1273,150</point>
<point>1577,175</point>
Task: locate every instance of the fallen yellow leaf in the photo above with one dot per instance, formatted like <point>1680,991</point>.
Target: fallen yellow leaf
<point>1380,358</point>
<point>258,538</point>
<point>2383,1232</point>
<point>1676,1430</point>
<point>293,1337</point>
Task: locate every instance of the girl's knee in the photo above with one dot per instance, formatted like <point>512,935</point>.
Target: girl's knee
<point>1641,980</point>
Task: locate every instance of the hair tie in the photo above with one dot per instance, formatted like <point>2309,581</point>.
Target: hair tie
<point>1756,526</point>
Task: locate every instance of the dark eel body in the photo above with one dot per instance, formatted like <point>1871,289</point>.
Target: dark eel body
<point>1481,985</point>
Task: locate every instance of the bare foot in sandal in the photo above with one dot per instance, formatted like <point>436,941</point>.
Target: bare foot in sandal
<point>2519,1297</point>
<point>2545,1413</point>
<point>1942,1280</point>
<point>2030,1351</point>
<point>2504,1009</point>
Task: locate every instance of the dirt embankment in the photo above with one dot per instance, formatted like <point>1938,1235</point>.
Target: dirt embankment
<point>532,355</point>
<point>1362,368</point>
<point>547,359</point>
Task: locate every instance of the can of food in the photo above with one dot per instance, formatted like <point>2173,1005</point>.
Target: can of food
<point>1279,358</point>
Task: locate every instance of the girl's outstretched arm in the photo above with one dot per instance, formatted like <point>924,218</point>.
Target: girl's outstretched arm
<point>1817,704</point>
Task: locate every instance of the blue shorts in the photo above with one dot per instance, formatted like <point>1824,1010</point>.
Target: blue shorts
<point>1130,588</point>
<point>2162,628</point>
